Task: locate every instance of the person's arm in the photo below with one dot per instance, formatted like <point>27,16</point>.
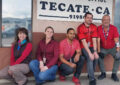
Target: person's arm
<point>87,49</point>
<point>61,56</point>
<point>81,36</point>
<point>63,60</point>
<point>77,56</point>
<point>12,58</point>
<point>95,48</point>
<point>39,53</point>
<point>116,39</point>
<point>117,44</point>
<point>94,40</point>
<point>94,44</point>
<point>78,52</point>
<point>98,40</point>
<point>54,60</point>
<point>25,53</point>
<point>98,45</point>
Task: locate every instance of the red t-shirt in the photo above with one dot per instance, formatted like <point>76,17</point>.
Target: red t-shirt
<point>108,42</point>
<point>87,33</point>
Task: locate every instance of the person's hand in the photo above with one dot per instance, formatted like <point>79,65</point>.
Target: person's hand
<point>96,56</point>
<point>76,59</point>
<point>41,65</point>
<point>117,49</point>
<point>9,72</point>
<point>91,56</point>
<point>72,65</point>
<point>44,69</point>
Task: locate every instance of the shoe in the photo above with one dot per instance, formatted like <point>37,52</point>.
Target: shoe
<point>62,78</point>
<point>38,84</point>
<point>102,76</point>
<point>23,82</point>
<point>76,80</point>
<point>88,76</point>
<point>114,77</point>
<point>93,82</point>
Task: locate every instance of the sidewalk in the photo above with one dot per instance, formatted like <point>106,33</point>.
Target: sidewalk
<point>83,79</point>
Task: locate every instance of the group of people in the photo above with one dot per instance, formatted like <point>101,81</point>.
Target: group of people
<point>67,57</point>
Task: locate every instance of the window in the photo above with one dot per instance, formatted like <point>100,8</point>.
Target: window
<point>0,19</point>
<point>15,14</point>
<point>117,14</point>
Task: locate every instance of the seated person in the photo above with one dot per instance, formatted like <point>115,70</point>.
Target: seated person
<point>21,53</point>
<point>70,59</point>
<point>45,67</point>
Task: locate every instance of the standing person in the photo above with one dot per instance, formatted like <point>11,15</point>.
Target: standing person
<point>108,43</point>
<point>45,67</point>
<point>87,34</point>
<point>70,59</point>
<point>21,52</point>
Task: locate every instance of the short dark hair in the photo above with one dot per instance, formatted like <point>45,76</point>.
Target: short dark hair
<point>69,30</point>
<point>88,13</point>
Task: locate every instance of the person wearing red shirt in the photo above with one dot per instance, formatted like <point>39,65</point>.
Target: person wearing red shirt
<point>45,67</point>
<point>108,43</point>
<point>70,59</point>
<point>21,52</point>
<point>87,34</point>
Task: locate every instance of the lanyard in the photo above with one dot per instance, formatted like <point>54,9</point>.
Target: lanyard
<point>89,31</point>
<point>104,32</point>
<point>70,48</point>
<point>44,57</point>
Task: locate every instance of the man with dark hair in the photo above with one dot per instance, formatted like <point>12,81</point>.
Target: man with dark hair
<point>70,59</point>
<point>87,34</point>
<point>88,13</point>
<point>108,43</point>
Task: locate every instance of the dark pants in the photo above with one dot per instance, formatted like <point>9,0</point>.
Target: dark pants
<point>116,61</point>
<point>67,70</point>
<point>91,65</point>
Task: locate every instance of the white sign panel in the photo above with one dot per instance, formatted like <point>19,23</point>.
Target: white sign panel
<point>73,10</point>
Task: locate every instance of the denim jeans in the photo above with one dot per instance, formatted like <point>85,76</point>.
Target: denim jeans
<point>67,70</point>
<point>41,77</point>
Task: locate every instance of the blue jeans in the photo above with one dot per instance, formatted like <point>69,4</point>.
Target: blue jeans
<point>41,77</point>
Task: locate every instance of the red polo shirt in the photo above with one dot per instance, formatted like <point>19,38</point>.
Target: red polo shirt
<point>109,42</point>
<point>87,33</point>
<point>68,49</point>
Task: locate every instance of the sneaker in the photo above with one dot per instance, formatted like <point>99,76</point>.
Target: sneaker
<point>102,76</point>
<point>62,78</point>
<point>76,80</point>
<point>88,76</point>
<point>93,82</point>
<point>114,77</point>
<point>38,83</point>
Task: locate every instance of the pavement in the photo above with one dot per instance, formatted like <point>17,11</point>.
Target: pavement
<point>83,79</point>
